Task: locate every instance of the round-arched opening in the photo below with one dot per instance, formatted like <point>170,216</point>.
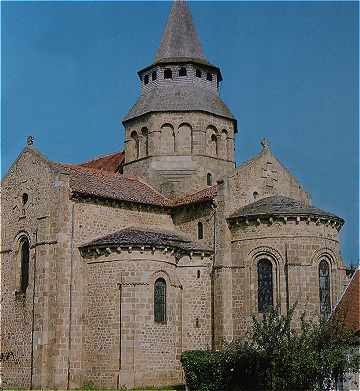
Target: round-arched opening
<point>24,264</point>
<point>265,285</point>
<point>200,230</point>
<point>160,300</point>
<point>25,198</point>
<point>182,71</point>
<point>167,73</point>
<point>324,287</point>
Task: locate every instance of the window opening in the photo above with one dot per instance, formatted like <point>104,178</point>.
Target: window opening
<point>265,286</point>
<point>160,300</point>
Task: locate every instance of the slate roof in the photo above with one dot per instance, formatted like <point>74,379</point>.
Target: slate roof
<point>103,184</point>
<point>147,237</point>
<point>280,205</point>
<point>111,162</point>
<point>180,38</point>
<point>348,308</point>
<point>179,98</point>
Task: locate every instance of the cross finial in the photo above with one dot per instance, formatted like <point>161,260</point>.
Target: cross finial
<point>265,143</point>
<point>30,140</point>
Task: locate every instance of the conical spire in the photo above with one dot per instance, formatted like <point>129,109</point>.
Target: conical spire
<point>180,39</point>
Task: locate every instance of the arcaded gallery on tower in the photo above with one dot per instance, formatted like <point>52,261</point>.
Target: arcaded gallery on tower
<point>113,267</point>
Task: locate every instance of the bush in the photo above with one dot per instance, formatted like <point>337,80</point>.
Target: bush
<point>205,370</point>
<point>276,358</point>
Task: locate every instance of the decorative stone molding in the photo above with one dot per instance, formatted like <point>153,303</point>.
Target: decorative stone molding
<point>90,252</point>
<point>328,253</point>
<point>170,278</point>
<point>260,251</point>
<point>270,219</point>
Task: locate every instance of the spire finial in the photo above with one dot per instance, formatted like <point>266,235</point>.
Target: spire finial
<point>265,143</point>
<point>180,39</point>
<point>30,140</point>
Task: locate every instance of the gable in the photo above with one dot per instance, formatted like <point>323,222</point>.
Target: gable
<point>29,194</point>
<point>263,176</point>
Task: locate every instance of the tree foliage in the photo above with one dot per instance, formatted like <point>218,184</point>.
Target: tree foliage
<point>275,357</point>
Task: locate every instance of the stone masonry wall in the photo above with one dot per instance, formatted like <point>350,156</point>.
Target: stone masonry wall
<point>180,152</point>
<point>300,244</point>
<point>30,325</point>
<point>262,176</point>
<point>124,346</point>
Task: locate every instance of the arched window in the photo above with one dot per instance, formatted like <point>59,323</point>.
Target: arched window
<point>184,139</point>
<point>209,179</point>
<point>214,144</point>
<point>167,73</point>
<point>24,262</point>
<point>167,146</point>
<point>160,300</point>
<point>223,144</point>
<point>211,141</point>
<point>146,79</point>
<point>144,143</point>
<point>255,195</point>
<point>200,230</point>
<point>182,71</point>
<point>135,147</point>
<point>25,198</point>
<point>198,73</point>
<point>265,285</point>
<point>209,76</point>
<point>154,75</point>
<point>324,287</point>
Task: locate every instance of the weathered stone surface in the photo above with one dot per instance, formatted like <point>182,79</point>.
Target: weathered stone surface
<point>99,240</point>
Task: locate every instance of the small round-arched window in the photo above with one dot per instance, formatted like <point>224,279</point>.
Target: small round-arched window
<point>160,300</point>
<point>209,179</point>
<point>200,230</point>
<point>24,264</point>
<point>324,287</point>
<point>265,286</point>
<point>182,71</point>
<point>198,73</point>
<point>167,73</point>
<point>25,198</point>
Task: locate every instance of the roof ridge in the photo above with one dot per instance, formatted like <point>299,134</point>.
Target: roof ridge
<point>249,161</point>
<point>99,157</point>
<point>152,188</point>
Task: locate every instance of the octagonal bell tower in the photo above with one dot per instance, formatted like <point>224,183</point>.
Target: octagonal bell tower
<point>179,135</point>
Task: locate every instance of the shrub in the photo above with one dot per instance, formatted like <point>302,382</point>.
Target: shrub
<point>276,358</point>
<point>205,370</point>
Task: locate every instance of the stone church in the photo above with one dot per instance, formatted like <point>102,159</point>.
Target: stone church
<point>111,268</point>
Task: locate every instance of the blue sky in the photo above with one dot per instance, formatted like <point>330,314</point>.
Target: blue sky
<point>290,73</point>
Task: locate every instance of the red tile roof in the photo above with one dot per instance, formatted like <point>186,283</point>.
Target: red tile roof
<point>104,184</point>
<point>203,195</point>
<point>348,308</point>
<point>110,162</point>
<point>98,178</point>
